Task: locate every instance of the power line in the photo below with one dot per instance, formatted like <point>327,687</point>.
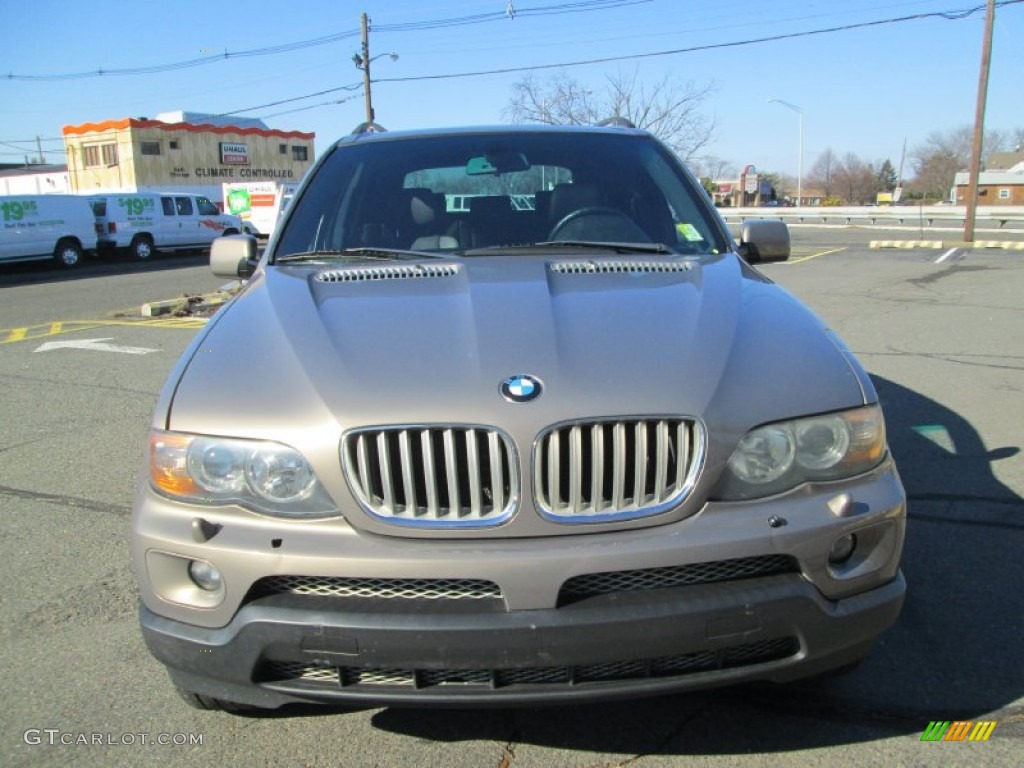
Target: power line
<point>34,141</point>
<point>946,15</point>
<point>482,18</point>
<point>188,63</point>
<point>311,106</point>
<point>350,87</point>
<point>580,6</point>
<point>951,15</point>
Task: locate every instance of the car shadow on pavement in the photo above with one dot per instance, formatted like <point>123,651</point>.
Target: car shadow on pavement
<point>954,654</point>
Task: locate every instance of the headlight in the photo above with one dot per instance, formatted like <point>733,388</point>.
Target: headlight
<point>264,476</point>
<point>777,457</point>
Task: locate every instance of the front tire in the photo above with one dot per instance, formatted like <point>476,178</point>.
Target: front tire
<point>67,254</point>
<point>142,248</point>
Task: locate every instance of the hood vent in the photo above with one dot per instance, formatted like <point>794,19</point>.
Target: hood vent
<point>389,272</point>
<point>618,267</point>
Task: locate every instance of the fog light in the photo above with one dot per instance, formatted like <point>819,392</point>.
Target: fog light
<point>205,576</point>
<point>842,549</point>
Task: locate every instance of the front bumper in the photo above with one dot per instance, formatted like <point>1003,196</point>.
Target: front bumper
<point>778,628</point>
<point>529,644</point>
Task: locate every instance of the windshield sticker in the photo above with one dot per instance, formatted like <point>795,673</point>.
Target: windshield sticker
<point>689,232</point>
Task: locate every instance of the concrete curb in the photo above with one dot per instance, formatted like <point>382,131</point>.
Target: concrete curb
<point>997,244</point>
<point>189,305</point>
<point>905,244</point>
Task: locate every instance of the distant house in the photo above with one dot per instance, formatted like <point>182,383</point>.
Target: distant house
<point>1001,183</point>
<point>730,193</point>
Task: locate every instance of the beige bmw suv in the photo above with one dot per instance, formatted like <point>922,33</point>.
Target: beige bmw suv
<point>507,416</point>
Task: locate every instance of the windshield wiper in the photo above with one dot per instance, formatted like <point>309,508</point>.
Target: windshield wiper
<point>382,254</point>
<point>592,245</point>
<point>616,247</point>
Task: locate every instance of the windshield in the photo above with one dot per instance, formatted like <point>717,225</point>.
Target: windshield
<point>473,194</point>
<point>206,208</point>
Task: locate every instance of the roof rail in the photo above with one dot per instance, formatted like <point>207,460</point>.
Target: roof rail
<point>369,127</point>
<point>617,121</point>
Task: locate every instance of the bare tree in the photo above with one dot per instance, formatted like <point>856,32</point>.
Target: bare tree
<point>713,167</point>
<point>856,180</point>
<point>822,173</point>
<point>668,109</point>
<point>944,154</point>
<point>558,100</point>
<point>937,161</point>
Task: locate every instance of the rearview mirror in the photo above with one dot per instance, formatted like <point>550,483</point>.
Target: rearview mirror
<point>234,256</point>
<point>764,240</point>
<point>497,163</point>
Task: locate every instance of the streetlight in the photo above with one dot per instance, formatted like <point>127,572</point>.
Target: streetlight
<point>800,157</point>
<point>364,64</point>
<point>363,60</point>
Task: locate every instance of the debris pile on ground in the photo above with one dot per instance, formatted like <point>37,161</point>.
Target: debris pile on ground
<point>191,304</point>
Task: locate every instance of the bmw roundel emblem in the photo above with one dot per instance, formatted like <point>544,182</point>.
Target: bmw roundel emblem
<point>521,388</point>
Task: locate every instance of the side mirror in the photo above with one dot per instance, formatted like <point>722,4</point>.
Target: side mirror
<point>764,240</point>
<point>234,256</point>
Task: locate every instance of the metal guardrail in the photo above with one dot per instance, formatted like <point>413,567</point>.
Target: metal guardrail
<point>905,215</point>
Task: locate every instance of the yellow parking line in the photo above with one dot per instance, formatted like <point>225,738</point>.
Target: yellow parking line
<point>28,333</point>
<point>815,255</point>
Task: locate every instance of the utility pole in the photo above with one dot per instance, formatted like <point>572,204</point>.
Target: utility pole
<point>366,68</point>
<point>362,61</point>
<point>979,124</point>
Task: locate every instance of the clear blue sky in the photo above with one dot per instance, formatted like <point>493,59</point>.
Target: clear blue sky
<point>862,90</point>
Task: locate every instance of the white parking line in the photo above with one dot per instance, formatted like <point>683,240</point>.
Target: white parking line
<point>949,254</point>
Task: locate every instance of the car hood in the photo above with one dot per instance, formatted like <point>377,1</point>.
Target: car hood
<point>305,353</point>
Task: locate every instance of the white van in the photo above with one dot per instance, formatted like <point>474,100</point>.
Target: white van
<point>40,227</point>
<point>144,223</point>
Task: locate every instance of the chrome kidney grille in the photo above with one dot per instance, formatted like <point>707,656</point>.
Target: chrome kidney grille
<point>446,476</point>
<point>467,476</point>
<point>618,469</point>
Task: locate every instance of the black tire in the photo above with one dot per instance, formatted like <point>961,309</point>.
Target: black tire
<point>229,232</point>
<point>142,248</point>
<point>211,704</point>
<point>67,254</point>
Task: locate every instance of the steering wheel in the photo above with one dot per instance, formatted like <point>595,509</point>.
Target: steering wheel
<point>620,226</point>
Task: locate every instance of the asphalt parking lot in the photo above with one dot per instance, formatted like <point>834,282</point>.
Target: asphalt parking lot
<point>943,341</point>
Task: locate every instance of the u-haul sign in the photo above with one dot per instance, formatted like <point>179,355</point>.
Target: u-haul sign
<point>234,154</point>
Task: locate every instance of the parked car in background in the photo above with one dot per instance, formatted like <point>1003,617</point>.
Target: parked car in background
<point>505,415</point>
<point>141,224</point>
<point>46,227</point>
